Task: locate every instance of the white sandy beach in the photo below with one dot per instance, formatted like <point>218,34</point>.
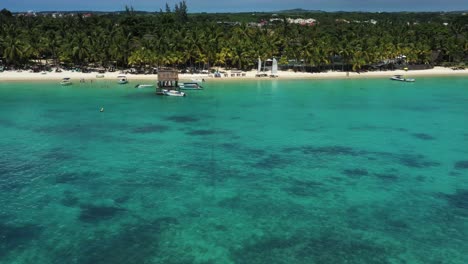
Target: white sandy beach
<point>76,76</point>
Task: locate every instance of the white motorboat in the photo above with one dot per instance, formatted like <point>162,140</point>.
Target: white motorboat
<point>401,79</point>
<point>140,86</point>
<point>122,79</point>
<point>190,86</point>
<point>173,93</point>
<point>66,82</point>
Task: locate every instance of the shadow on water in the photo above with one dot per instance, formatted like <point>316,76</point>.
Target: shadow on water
<point>182,119</point>
<point>202,132</point>
<point>324,247</point>
<point>15,236</point>
<point>16,173</point>
<point>91,213</point>
<point>74,177</point>
<point>4,123</point>
<point>69,199</point>
<point>57,155</point>
<point>355,173</point>
<point>384,220</point>
<point>326,150</point>
<point>461,165</point>
<point>273,161</point>
<point>150,129</point>
<point>207,132</point>
<point>305,188</point>
<point>405,159</point>
<point>423,136</point>
<point>139,243</point>
<point>415,161</point>
<point>387,177</point>
<point>458,201</point>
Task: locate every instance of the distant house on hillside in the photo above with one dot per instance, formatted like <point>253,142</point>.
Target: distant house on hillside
<point>302,21</point>
<point>341,20</point>
<point>273,20</point>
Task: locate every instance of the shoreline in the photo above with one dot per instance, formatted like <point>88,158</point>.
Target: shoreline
<point>12,76</point>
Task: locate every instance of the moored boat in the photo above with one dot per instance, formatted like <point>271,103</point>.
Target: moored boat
<point>122,79</point>
<point>402,79</point>
<point>66,82</point>
<point>139,86</point>
<point>173,93</point>
<point>190,86</point>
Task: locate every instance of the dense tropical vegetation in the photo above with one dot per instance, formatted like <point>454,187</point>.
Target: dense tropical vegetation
<point>176,38</point>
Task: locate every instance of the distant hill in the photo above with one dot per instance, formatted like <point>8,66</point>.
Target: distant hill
<point>299,10</point>
<point>288,11</point>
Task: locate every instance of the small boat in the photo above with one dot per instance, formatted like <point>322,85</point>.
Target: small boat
<point>139,86</point>
<point>401,79</point>
<point>66,82</point>
<point>122,79</point>
<point>173,93</point>
<point>190,86</point>
<point>99,76</point>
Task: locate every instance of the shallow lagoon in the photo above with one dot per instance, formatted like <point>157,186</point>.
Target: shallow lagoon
<point>305,171</point>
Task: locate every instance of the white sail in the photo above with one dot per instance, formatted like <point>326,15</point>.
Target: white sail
<point>274,68</point>
<point>259,65</point>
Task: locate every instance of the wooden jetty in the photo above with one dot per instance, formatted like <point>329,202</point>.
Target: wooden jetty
<point>168,79</point>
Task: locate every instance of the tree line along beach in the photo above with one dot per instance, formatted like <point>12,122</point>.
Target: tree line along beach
<point>304,42</point>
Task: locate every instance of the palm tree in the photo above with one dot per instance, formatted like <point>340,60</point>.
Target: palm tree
<point>13,51</point>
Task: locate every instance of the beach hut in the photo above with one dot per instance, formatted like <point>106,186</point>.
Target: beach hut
<point>168,79</point>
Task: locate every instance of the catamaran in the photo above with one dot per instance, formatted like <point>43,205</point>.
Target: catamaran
<point>259,70</point>
<point>274,69</point>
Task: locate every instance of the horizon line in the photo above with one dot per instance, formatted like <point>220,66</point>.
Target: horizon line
<point>253,11</point>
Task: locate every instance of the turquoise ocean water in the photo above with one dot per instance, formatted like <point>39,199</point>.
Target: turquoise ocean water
<point>316,171</point>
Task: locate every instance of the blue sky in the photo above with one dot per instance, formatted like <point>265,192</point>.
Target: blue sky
<point>238,5</point>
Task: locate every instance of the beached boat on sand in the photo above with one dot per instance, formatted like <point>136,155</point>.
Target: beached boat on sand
<point>260,73</point>
<point>66,82</point>
<point>401,79</point>
<point>122,79</point>
<point>274,69</point>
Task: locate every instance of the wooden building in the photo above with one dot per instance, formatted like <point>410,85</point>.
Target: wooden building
<point>168,79</point>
